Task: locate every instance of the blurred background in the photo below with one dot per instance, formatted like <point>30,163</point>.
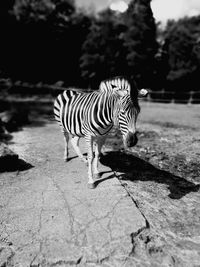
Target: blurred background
<point>48,44</point>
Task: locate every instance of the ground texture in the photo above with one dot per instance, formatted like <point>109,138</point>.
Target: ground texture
<point>144,211</point>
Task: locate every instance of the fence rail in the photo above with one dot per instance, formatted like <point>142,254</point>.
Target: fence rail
<point>163,96</point>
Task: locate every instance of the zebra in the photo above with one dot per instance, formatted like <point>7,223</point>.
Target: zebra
<point>92,115</point>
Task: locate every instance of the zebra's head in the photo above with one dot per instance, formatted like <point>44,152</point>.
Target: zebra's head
<point>127,108</point>
<point>126,116</point>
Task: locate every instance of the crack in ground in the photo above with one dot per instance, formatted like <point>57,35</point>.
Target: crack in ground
<point>67,206</point>
<point>67,263</point>
<point>109,214</point>
<point>96,219</point>
<point>147,247</point>
<point>108,229</point>
<point>146,228</point>
<point>9,258</point>
<point>134,201</point>
<point>38,231</point>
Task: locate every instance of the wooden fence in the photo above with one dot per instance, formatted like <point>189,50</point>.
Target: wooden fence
<point>163,96</point>
<point>189,97</point>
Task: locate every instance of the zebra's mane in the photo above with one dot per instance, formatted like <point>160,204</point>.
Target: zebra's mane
<point>116,78</point>
<point>119,81</point>
<point>127,102</point>
<point>123,84</point>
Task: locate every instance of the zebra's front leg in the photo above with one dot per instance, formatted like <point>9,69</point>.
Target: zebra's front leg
<point>66,140</point>
<point>99,143</point>
<point>75,144</point>
<point>90,156</point>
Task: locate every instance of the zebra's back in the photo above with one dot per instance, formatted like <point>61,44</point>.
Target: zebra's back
<point>80,113</point>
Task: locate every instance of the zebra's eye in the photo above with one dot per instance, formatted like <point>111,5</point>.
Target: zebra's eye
<point>122,112</point>
<point>113,86</point>
<point>121,93</point>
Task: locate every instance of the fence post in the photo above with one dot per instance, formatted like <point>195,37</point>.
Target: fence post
<point>149,97</point>
<point>191,98</point>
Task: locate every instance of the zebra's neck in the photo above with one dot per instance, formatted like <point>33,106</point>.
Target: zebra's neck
<point>112,107</point>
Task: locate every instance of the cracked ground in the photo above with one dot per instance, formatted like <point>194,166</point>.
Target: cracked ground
<point>50,218</point>
<point>143,212</point>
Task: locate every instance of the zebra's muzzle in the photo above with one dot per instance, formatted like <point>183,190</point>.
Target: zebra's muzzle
<point>131,140</point>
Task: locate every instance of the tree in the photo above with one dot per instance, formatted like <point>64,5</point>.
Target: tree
<point>140,42</point>
<point>31,10</point>
<point>44,40</point>
<point>103,52</point>
<point>36,10</point>
<point>6,25</point>
<point>182,42</point>
<point>72,43</point>
<point>161,61</point>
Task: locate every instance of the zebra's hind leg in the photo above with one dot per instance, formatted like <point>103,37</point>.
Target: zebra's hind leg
<point>66,140</point>
<point>75,144</point>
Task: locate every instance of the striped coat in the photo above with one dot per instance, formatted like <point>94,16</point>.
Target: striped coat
<point>92,115</point>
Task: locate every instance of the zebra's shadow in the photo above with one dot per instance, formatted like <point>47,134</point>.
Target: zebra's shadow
<point>74,157</point>
<point>102,179</point>
<point>134,168</point>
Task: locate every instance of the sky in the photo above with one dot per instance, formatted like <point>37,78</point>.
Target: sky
<point>162,9</point>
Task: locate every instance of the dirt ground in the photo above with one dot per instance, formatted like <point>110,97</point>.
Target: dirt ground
<point>168,138</point>
<point>162,174</point>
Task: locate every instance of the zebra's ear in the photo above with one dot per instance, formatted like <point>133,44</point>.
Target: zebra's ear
<point>102,86</point>
<point>142,92</point>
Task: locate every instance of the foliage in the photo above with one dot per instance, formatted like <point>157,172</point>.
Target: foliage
<point>51,40</point>
<point>140,41</point>
<point>103,52</point>
<point>161,68</point>
<point>182,45</point>
<point>34,10</point>
<point>43,41</point>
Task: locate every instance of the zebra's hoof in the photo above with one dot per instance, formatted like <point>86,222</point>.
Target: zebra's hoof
<point>91,185</point>
<point>84,160</point>
<point>97,176</point>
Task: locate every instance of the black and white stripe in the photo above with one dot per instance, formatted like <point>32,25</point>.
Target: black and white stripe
<point>92,115</point>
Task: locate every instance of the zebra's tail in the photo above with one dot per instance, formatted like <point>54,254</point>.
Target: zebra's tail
<point>57,107</point>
